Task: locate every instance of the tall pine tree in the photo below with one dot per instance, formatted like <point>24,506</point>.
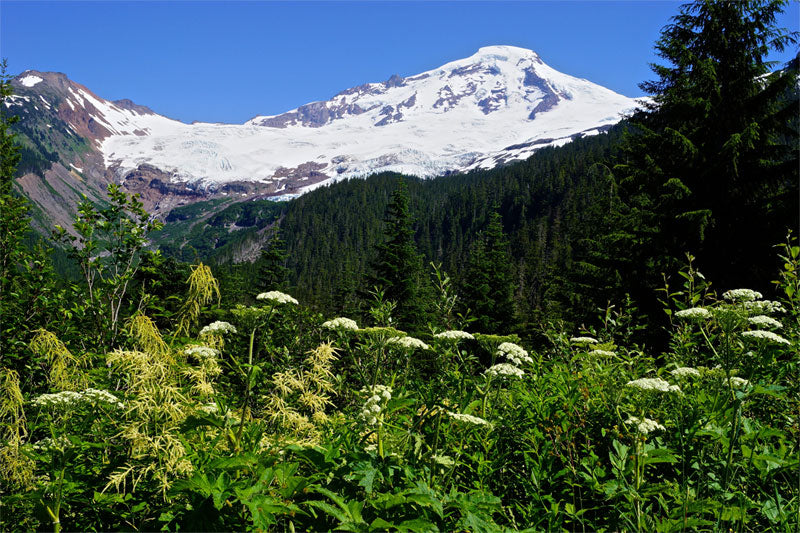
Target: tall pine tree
<point>397,269</point>
<point>272,272</point>
<point>487,286</point>
<point>710,166</point>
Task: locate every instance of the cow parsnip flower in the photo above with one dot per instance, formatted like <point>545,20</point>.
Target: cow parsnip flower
<point>341,323</point>
<point>217,327</point>
<point>468,419</point>
<point>505,370</point>
<point>764,321</point>
<point>583,340</point>
<point>742,295</point>
<point>277,296</point>
<point>454,335</point>
<point>693,313</point>
<point>514,353</point>
<point>653,384</point>
<point>644,425</point>
<point>410,343</point>
<point>685,372</point>
<point>768,336</point>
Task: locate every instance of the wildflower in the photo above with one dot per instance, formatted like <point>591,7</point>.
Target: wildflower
<point>408,342</point>
<point>583,340</point>
<point>469,419</point>
<point>644,425</point>
<point>765,321</point>
<point>515,354</point>
<point>738,383</point>
<point>216,328</point>
<point>67,399</point>
<point>210,408</point>
<point>693,313</point>
<point>101,396</point>
<point>603,353</point>
<point>505,370</point>
<point>685,371</point>
<point>764,307</point>
<point>742,295</point>
<point>277,296</point>
<point>341,323</point>
<point>654,384</point>
<point>379,395</point>
<point>454,335</point>
<point>201,352</point>
<point>766,336</point>
<point>48,445</point>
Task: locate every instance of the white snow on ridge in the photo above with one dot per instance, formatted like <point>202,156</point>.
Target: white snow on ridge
<point>30,80</point>
<point>455,117</point>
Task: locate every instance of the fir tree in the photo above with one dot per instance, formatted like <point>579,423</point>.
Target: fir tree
<point>710,167</point>
<point>397,268</point>
<point>272,272</point>
<point>487,287</point>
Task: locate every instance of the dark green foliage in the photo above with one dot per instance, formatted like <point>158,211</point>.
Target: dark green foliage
<point>487,285</point>
<point>711,166</point>
<point>397,268</point>
<point>272,272</point>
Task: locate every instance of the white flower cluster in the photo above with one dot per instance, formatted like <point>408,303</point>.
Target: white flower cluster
<point>739,383</point>
<point>644,425</point>
<point>603,353</point>
<point>454,335</point>
<point>277,296</point>
<point>653,384</point>
<point>742,295</point>
<point>378,396</point>
<point>408,342</point>
<point>693,313</point>
<point>210,408</point>
<point>217,327</point>
<point>66,399</point>
<point>341,323</point>
<point>685,372</point>
<point>764,321</point>
<point>514,353</point>
<point>469,419</point>
<point>764,307</point>
<point>48,445</point>
<point>505,370</point>
<point>583,340</point>
<point>768,336</point>
<point>201,352</point>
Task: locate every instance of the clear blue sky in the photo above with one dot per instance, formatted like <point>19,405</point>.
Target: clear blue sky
<point>226,62</point>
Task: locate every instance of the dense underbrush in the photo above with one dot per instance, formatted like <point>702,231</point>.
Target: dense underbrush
<point>271,418</point>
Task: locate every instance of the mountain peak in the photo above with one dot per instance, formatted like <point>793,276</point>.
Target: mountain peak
<point>504,51</point>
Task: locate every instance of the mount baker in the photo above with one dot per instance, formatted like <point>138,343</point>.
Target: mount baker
<point>496,106</point>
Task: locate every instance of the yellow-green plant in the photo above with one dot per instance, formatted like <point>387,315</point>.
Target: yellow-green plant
<point>203,288</point>
<point>65,369</point>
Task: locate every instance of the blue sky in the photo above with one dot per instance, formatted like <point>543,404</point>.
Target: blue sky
<point>226,62</point>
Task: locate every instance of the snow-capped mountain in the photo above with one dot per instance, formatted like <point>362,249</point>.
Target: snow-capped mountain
<point>500,104</point>
<point>462,115</point>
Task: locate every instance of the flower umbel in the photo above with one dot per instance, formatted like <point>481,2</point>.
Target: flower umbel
<point>653,384</point>
<point>277,296</point>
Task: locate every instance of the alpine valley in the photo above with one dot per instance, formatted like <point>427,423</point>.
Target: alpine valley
<point>499,105</point>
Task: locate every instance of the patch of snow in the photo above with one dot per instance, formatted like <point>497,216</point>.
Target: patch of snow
<point>76,168</point>
<point>30,80</point>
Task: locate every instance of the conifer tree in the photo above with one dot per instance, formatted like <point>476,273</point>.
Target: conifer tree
<point>710,166</point>
<point>487,287</point>
<point>397,269</point>
<point>272,272</point>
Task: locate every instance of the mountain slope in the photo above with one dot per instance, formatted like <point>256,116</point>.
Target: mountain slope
<point>499,105</point>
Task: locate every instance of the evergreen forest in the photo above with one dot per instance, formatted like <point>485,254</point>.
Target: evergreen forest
<point>604,337</point>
